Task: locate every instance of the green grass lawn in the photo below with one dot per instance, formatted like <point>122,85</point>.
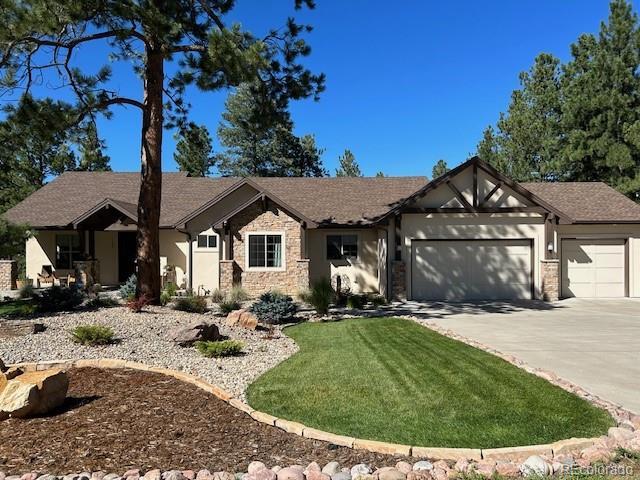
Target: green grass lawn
<point>392,380</point>
<point>16,308</point>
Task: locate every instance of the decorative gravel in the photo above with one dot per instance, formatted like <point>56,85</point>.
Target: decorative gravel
<point>141,337</point>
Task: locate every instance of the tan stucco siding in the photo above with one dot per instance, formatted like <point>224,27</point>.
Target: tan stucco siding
<point>40,250</point>
<point>469,227</point>
<point>206,264</point>
<point>631,233</point>
<point>174,249</point>
<point>362,271</point>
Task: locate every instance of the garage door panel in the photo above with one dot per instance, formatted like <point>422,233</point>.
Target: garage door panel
<point>593,268</point>
<point>471,270</point>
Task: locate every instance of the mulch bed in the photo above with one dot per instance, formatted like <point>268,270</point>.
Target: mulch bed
<point>114,420</point>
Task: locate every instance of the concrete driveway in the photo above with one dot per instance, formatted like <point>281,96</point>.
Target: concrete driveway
<point>593,343</point>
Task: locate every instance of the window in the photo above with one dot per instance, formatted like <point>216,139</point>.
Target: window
<point>67,250</point>
<point>264,250</point>
<point>340,247</point>
<point>207,241</point>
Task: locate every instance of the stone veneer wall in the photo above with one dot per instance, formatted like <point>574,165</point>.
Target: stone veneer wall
<point>229,274</point>
<point>399,280</point>
<point>254,219</point>
<point>8,274</point>
<point>550,280</point>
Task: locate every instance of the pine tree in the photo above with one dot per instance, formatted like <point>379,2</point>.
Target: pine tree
<point>194,151</point>
<point>348,165</point>
<point>257,133</point>
<point>380,174</point>
<point>170,46</point>
<point>440,168</point>
<point>92,159</point>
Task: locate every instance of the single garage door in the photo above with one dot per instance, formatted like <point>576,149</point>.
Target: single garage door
<point>459,270</point>
<point>593,268</point>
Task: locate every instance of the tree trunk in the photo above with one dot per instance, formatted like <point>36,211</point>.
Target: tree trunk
<point>148,241</point>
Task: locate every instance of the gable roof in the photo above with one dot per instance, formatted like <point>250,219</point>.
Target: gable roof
<point>588,202</point>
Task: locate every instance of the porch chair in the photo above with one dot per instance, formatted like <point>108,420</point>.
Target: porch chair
<point>47,278</point>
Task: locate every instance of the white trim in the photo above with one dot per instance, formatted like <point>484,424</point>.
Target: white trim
<point>245,239</point>
<point>341,233</point>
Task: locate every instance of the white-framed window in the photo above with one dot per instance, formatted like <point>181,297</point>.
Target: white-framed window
<point>207,241</point>
<point>342,246</point>
<point>265,251</point>
<point>67,250</point>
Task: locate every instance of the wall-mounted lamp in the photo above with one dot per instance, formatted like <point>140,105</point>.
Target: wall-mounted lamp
<point>550,246</point>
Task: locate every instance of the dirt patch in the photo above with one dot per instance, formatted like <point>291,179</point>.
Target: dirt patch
<point>119,419</point>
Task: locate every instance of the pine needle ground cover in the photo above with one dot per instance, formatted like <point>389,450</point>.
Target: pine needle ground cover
<point>393,380</point>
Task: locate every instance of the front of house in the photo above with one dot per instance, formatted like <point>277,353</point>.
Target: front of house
<point>472,234</point>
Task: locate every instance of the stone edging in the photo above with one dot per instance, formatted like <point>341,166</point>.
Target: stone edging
<point>561,447</point>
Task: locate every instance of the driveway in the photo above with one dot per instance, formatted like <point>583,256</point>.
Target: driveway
<point>593,343</point>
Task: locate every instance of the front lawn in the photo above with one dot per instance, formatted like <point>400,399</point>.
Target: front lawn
<point>16,308</point>
<point>392,380</point>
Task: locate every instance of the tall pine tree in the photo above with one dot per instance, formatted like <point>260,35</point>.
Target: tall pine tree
<point>348,165</point>
<point>91,146</point>
<point>194,151</point>
<point>439,169</point>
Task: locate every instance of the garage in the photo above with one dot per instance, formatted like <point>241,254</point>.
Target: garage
<point>593,268</point>
<point>461,270</point>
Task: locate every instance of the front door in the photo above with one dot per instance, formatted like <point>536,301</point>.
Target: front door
<point>126,255</point>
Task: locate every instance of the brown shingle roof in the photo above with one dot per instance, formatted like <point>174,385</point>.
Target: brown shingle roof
<point>587,202</point>
<point>342,200</point>
<point>324,200</point>
<point>70,195</point>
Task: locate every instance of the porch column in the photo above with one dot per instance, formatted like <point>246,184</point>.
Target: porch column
<point>550,270</point>
<point>8,274</point>
<point>399,280</point>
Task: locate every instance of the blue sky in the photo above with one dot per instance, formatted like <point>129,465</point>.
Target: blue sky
<point>407,82</point>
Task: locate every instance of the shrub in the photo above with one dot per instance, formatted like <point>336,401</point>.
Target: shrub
<point>164,298</point>
<point>228,306</point>
<point>224,348</point>
<point>136,305</point>
<point>128,289</point>
<point>191,303</point>
<point>238,294</point>
<point>274,308</point>
<point>217,296</point>
<point>355,302</point>
<point>171,289</point>
<point>26,291</point>
<point>320,296</point>
<point>57,299</point>
<point>377,300</point>
<point>92,335</point>
<point>101,302</point>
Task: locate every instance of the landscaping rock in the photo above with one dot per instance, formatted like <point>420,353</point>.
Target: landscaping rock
<point>99,475</point>
<point>153,475</point>
<point>317,475</point>
<point>255,466</point>
<point>360,469</point>
<point>197,331</point>
<point>423,465</point>
<point>507,469</point>
<point>290,473</point>
<point>535,465</point>
<point>189,474</point>
<point>341,476</point>
<point>33,393</point>
<point>242,318</point>
<point>312,467</point>
<point>331,468</point>
<point>173,475</point>
<point>390,473</point>
<point>419,475</point>
<point>262,474</point>
<point>486,468</point>
<point>204,474</point>
<point>439,474</point>
<point>404,467</point>
<point>461,466</point>
<point>620,434</point>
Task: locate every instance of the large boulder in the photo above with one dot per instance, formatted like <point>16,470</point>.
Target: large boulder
<point>33,393</point>
<point>197,331</point>
<point>242,318</point>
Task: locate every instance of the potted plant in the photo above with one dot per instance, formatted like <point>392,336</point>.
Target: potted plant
<point>23,281</point>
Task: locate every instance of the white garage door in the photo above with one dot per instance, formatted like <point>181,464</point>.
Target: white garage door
<point>471,270</point>
<point>593,268</point>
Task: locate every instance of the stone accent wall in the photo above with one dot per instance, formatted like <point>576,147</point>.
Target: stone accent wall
<point>254,219</point>
<point>550,279</point>
<point>8,274</point>
<point>398,280</point>
<point>229,274</point>
<point>302,273</point>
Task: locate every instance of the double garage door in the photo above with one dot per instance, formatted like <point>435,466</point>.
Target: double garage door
<point>459,270</point>
<point>593,268</point>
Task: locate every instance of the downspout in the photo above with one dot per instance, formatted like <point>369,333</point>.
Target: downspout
<point>189,260</point>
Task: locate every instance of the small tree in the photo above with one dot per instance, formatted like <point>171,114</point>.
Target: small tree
<point>194,151</point>
<point>92,157</point>
<point>348,165</point>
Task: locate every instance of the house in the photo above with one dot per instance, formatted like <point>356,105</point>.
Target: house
<point>472,234</point>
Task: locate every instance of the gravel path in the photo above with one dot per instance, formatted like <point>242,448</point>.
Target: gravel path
<point>141,338</point>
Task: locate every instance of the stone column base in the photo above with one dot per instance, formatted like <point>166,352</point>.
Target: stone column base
<point>550,279</point>
<point>8,274</point>
<point>302,274</point>
<point>398,280</point>
<point>229,275</point>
